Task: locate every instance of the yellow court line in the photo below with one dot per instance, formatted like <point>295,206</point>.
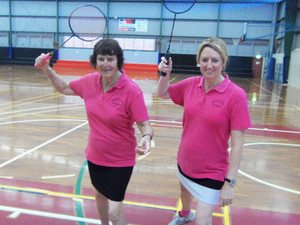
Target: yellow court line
<point>26,99</point>
<point>165,125</point>
<point>41,191</point>
<point>60,194</point>
<point>179,205</point>
<point>58,116</point>
<point>27,103</point>
<point>225,214</point>
<point>150,205</point>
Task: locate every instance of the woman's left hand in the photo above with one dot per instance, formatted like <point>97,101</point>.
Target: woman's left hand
<point>226,196</point>
<point>144,146</point>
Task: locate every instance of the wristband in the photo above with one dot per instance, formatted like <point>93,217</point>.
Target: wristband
<point>146,135</point>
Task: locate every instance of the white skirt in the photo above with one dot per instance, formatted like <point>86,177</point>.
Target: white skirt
<point>203,194</point>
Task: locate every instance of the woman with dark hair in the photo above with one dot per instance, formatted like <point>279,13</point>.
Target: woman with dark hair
<point>113,104</point>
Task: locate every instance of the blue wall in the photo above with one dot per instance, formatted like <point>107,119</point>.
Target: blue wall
<point>34,25</point>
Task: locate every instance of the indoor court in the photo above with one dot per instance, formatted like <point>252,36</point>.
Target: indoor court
<point>44,177</point>
<point>43,174</point>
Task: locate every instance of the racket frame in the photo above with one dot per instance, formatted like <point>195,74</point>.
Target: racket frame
<point>167,54</point>
<point>50,54</point>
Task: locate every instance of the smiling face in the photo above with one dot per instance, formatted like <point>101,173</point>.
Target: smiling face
<point>107,48</point>
<point>211,63</point>
<point>212,57</point>
<point>107,65</point>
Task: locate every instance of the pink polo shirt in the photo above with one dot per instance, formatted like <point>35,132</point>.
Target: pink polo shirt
<point>111,117</point>
<point>207,122</point>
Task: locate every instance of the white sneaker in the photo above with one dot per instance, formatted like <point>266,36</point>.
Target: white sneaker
<point>177,220</point>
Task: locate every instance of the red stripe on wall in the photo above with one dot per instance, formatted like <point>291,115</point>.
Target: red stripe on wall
<point>133,70</point>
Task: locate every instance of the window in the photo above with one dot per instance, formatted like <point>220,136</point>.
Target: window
<point>139,44</point>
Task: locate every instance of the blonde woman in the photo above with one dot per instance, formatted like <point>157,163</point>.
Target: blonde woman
<point>215,109</point>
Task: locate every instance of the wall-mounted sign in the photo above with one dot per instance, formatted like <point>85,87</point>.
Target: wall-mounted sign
<point>138,25</point>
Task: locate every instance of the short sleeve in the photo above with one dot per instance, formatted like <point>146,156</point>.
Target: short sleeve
<point>240,116</point>
<point>85,84</point>
<point>177,91</point>
<point>138,110</point>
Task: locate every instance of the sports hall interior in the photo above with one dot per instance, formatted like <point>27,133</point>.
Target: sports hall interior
<point>43,169</point>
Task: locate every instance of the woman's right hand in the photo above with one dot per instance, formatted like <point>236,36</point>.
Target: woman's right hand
<point>42,61</point>
<point>164,67</point>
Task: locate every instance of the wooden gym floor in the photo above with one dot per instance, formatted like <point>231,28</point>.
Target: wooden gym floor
<point>43,174</point>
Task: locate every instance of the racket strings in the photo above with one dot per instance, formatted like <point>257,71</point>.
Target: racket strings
<point>88,23</point>
<point>177,7</point>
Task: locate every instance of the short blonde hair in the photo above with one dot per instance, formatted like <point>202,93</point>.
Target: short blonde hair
<point>218,45</point>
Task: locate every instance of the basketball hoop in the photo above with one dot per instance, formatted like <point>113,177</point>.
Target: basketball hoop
<point>243,38</point>
<point>236,41</point>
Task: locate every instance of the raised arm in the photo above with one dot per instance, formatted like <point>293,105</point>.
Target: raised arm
<point>57,81</point>
<point>163,83</point>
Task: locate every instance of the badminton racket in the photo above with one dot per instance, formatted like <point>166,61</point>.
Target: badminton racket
<point>87,23</point>
<point>176,7</point>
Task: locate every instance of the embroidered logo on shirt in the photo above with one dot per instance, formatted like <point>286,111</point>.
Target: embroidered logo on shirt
<point>117,101</point>
<point>218,103</point>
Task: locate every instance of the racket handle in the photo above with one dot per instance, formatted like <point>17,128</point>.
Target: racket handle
<point>167,56</point>
<point>45,58</point>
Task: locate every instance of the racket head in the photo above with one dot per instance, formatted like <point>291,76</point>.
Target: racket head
<point>179,6</point>
<point>87,22</point>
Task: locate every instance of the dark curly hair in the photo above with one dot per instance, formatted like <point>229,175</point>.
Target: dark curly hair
<point>107,47</point>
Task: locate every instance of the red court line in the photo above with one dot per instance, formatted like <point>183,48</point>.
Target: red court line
<point>258,130</point>
<point>244,216</point>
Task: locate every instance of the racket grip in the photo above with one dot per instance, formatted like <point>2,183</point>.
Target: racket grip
<point>45,58</point>
<point>167,56</point>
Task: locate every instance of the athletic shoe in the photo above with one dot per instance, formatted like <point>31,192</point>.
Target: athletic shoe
<point>177,220</point>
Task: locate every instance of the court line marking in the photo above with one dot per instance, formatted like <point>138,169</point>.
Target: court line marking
<point>39,114</point>
<point>225,215</point>
<point>78,204</point>
<point>297,107</point>
<point>42,120</point>
<point>77,197</point>
<point>41,145</point>
<point>26,99</point>
<point>249,176</point>
<point>15,214</point>
<point>245,174</point>
<point>273,130</point>
<point>57,176</point>
<point>261,88</point>
<point>226,218</point>
<point>26,87</point>
<point>41,108</point>
<point>265,182</point>
<point>6,177</point>
<point>156,121</point>
<point>167,123</point>
<point>16,211</point>
<point>28,103</point>
<point>251,128</point>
